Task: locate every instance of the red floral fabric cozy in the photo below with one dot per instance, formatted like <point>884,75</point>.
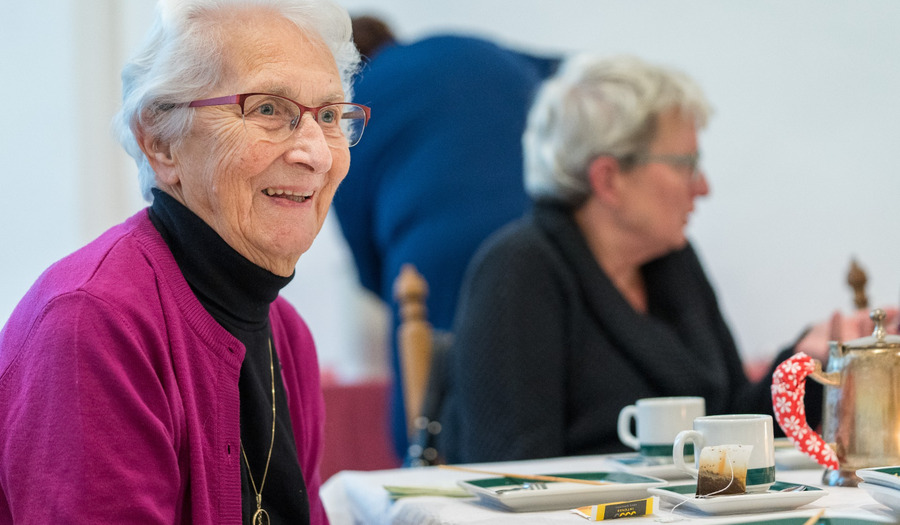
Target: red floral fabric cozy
<point>788,391</point>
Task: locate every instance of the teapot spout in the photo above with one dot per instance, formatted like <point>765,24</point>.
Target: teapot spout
<point>840,478</point>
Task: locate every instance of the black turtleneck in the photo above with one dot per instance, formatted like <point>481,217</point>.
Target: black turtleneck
<point>237,294</point>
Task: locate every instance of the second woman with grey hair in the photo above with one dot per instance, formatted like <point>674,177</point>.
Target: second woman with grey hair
<point>596,298</point>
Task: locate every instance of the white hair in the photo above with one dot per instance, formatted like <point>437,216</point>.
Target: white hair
<point>182,58</point>
<point>597,106</point>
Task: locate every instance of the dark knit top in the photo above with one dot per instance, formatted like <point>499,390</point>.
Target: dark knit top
<point>547,351</point>
<point>237,294</point>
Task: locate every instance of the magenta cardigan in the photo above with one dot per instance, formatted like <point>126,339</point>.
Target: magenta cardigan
<point>119,393</point>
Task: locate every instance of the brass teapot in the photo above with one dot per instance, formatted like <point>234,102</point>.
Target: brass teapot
<point>861,416</point>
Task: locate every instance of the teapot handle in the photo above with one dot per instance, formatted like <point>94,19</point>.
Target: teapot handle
<point>788,392</point>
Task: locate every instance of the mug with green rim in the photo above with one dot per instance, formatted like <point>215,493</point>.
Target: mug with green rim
<point>658,420</point>
<point>754,430</point>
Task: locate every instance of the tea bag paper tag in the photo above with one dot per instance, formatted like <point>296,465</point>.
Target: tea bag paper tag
<point>722,469</point>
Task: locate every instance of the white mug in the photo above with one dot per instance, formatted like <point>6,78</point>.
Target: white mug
<point>754,430</point>
<point>658,421</point>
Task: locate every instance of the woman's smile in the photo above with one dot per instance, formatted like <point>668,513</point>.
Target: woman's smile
<point>288,194</point>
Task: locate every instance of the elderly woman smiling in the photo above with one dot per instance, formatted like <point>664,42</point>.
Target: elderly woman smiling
<point>155,375</point>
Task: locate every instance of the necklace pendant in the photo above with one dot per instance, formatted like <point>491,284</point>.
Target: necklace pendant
<point>260,517</point>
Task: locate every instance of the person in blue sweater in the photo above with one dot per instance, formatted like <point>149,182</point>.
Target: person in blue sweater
<point>441,166</point>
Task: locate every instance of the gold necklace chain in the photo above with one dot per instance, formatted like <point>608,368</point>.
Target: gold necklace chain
<point>261,517</point>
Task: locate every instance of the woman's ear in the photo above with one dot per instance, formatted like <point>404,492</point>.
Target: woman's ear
<point>603,173</point>
<point>159,155</point>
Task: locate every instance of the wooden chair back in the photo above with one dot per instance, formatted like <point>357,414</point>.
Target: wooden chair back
<point>423,353</point>
<point>414,341</point>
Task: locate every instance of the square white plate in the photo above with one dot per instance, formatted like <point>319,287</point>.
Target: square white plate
<point>884,476</point>
<point>622,486</point>
<point>824,520</point>
<point>887,496</point>
<point>638,464</point>
<point>769,501</point>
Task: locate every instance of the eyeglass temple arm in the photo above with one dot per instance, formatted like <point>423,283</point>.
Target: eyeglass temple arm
<point>218,101</point>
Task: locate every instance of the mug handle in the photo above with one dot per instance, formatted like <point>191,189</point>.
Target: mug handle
<point>788,392</point>
<point>681,439</point>
<point>625,436</point>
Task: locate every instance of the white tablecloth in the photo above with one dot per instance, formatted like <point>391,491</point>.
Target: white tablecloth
<point>353,497</point>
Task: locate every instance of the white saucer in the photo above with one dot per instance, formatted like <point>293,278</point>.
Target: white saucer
<point>769,501</point>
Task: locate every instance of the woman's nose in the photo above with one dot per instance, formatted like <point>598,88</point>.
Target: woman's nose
<point>700,184</point>
<point>309,146</point>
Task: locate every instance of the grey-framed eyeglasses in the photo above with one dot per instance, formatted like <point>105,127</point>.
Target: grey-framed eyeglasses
<point>687,162</point>
<point>274,118</point>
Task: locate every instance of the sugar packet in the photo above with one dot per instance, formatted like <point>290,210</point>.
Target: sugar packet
<point>619,509</point>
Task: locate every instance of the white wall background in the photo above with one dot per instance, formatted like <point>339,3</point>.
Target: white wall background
<point>802,153</point>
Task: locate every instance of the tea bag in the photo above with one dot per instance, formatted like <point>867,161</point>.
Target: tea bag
<point>723,470</point>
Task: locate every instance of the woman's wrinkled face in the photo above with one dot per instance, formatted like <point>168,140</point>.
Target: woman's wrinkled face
<point>660,196</point>
<point>267,200</point>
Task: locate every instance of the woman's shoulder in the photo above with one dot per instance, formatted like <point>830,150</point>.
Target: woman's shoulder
<point>102,264</point>
<point>521,240</point>
<point>515,259</point>
<point>127,273</point>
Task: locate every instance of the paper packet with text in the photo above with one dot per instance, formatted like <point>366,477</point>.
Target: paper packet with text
<point>619,509</point>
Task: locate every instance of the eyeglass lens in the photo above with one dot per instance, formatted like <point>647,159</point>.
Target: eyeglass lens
<point>274,118</point>
<point>689,162</point>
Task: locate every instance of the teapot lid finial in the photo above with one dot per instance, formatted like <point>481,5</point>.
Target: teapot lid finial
<point>880,337</point>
